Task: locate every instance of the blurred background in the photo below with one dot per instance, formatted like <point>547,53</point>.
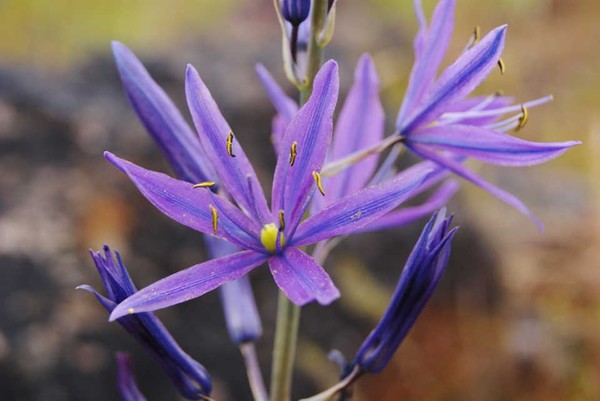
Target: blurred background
<point>517,315</point>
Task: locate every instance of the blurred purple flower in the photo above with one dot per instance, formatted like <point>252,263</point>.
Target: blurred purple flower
<point>126,382</point>
<point>420,277</point>
<point>189,376</point>
<point>181,146</point>
<point>274,234</point>
<point>437,123</point>
<point>295,11</point>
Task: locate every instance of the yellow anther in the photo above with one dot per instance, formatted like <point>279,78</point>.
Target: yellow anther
<point>476,34</point>
<point>281,221</point>
<point>501,66</point>
<point>130,311</point>
<point>523,119</point>
<point>293,152</point>
<point>204,184</point>
<point>317,178</point>
<point>269,235</point>
<point>229,144</point>
<point>215,218</point>
<point>499,93</point>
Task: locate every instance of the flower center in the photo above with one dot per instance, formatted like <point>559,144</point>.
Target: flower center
<point>268,237</point>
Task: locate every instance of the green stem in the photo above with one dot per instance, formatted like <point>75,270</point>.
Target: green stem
<point>284,350</point>
<point>315,51</point>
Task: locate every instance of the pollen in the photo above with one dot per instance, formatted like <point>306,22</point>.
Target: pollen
<point>293,152</point>
<point>523,119</point>
<point>130,311</point>
<point>204,184</point>
<point>269,235</point>
<point>476,34</point>
<point>501,66</point>
<point>317,178</point>
<point>229,144</point>
<point>281,221</point>
<point>215,218</point>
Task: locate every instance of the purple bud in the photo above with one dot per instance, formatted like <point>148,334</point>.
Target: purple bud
<point>419,279</point>
<point>189,376</point>
<point>295,11</point>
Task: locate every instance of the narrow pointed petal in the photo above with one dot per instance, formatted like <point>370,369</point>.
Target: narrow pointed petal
<point>458,80</point>
<point>239,306</point>
<point>189,283</point>
<point>356,211</point>
<point>190,206</point>
<point>409,214</point>
<point>360,125</point>
<point>460,170</point>
<point>302,279</point>
<point>488,145</point>
<point>161,118</point>
<point>108,304</point>
<point>430,47</point>
<point>309,134</point>
<point>235,172</point>
<point>284,105</point>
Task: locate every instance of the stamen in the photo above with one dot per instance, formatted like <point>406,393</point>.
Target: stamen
<point>499,93</point>
<point>293,152</point>
<point>499,111</point>
<point>523,119</point>
<point>215,218</point>
<point>317,178</point>
<point>502,66</point>
<point>130,311</point>
<point>229,144</point>
<point>476,34</point>
<point>205,184</point>
<point>281,221</point>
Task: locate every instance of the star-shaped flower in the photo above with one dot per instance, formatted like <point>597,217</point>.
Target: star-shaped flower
<point>274,234</point>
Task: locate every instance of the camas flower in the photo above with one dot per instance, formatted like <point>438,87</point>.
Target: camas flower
<point>360,125</point>
<point>438,123</point>
<point>189,376</point>
<point>181,147</point>
<point>265,234</point>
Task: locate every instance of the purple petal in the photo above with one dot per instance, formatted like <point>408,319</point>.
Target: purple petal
<point>430,47</point>
<point>301,278</point>
<point>360,125</point>
<point>235,172</point>
<point>460,170</point>
<point>488,145</point>
<point>108,304</point>
<point>355,211</point>
<point>310,133</point>
<point>407,215</point>
<point>191,206</point>
<point>458,80</point>
<point>189,283</point>
<point>285,105</point>
<point>161,118</point>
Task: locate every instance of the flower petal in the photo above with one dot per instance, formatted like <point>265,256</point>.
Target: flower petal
<point>301,278</point>
<point>409,214</point>
<point>430,47</point>
<point>488,145</point>
<point>360,125</point>
<point>457,168</point>
<point>229,160</point>
<point>126,383</point>
<point>284,104</point>
<point>190,206</point>
<point>161,118</point>
<point>309,135</point>
<point>458,80</point>
<point>189,283</point>
<point>355,211</point>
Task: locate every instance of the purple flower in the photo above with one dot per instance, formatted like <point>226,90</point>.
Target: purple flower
<point>182,149</point>
<point>265,234</point>
<point>438,123</point>
<point>360,126</point>
<point>189,376</point>
<point>419,279</point>
<point>126,383</point>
